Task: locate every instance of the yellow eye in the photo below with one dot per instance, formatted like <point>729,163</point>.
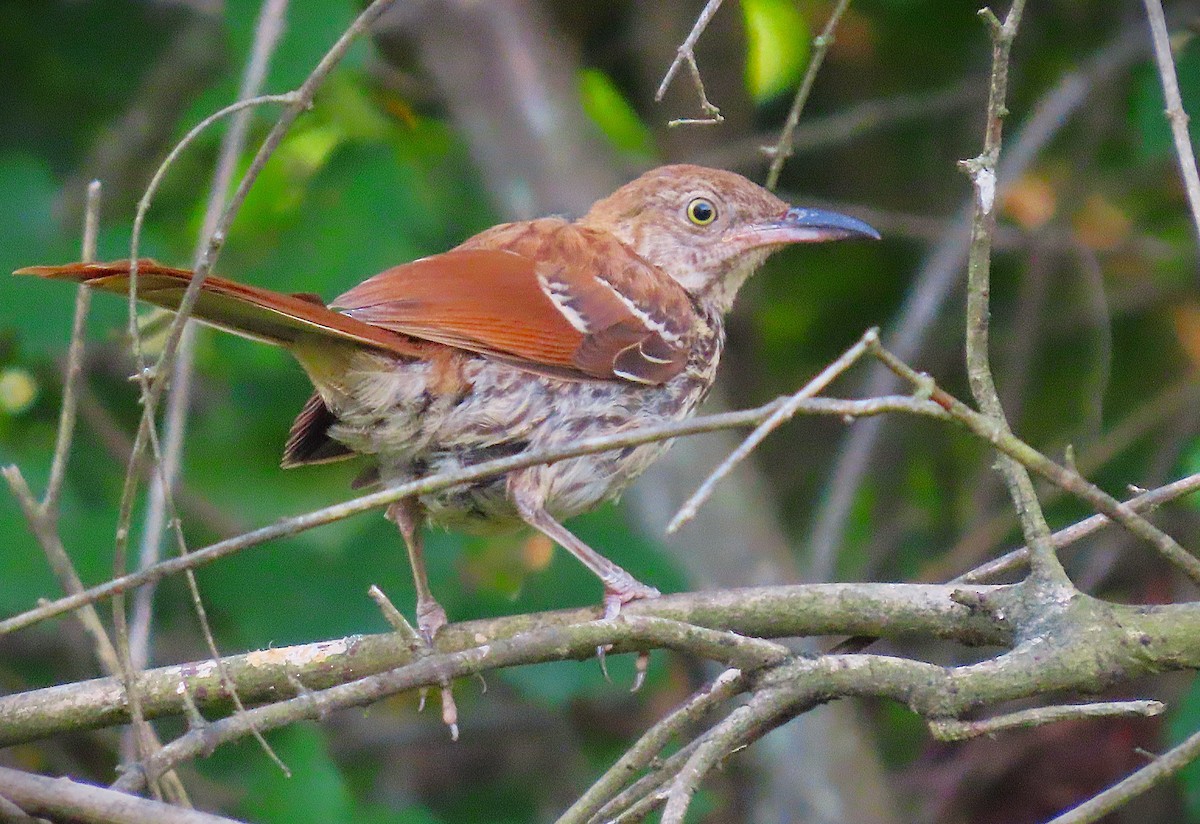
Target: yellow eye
<point>701,211</point>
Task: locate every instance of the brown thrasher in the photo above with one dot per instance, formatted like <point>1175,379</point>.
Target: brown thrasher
<point>529,335</point>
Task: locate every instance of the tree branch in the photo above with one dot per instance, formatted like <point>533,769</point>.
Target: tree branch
<point>887,610</point>
<point>432,483</point>
<point>1176,116</point>
<point>65,800</point>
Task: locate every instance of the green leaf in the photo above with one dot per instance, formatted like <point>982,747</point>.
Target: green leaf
<point>777,40</point>
<point>609,109</point>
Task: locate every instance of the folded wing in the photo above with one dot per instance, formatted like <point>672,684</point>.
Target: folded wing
<point>544,295</point>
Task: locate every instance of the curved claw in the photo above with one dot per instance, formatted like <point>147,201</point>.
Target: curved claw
<point>614,599</point>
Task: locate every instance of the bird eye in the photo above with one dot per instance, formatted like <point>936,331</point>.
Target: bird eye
<point>701,211</point>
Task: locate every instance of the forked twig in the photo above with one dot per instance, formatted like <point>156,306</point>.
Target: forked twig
<point>940,274</point>
<point>784,413</point>
<point>161,499</point>
<point>1146,502</point>
<point>685,55</point>
<point>1065,477</point>
<point>1044,564</point>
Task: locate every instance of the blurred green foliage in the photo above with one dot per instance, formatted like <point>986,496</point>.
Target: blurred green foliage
<point>777,41</point>
<point>605,105</point>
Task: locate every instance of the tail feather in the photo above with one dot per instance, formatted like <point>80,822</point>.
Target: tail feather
<point>250,311</point>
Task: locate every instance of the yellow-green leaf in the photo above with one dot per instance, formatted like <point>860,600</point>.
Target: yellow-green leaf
<point>18,390</point>
<point>609,109</point>
<point>777,42</point>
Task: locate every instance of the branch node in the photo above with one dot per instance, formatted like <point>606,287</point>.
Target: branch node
<point>993,22</point>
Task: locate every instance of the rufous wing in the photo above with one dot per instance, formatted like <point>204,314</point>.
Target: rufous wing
<point>544,295</point>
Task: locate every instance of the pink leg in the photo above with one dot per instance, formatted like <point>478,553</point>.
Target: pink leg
<point>619,586</point>
<point>409,517</point>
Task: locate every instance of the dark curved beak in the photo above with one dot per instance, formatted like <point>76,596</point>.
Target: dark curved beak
<point>800,225</point>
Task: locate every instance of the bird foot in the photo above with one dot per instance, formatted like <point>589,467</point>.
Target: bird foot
<point>614,599</point>
<point>431,617</point>
<point>617,597</point>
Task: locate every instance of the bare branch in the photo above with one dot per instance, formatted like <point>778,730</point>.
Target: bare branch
<point>724,687</point>
<point>949,729</point>
<point>432,483</point>
<point>580,641</point>
<point>1044,563</point>
<point>65,800</point>
<point>784,413</point>
<point>686,55</point>
<point>1065,477</point>
<point>74,368</point>
<point>887,610</point>
<point>1176,116</point>
<point>783,147</point>
<point>1146,502</point>
<point>941,273</point>
<point>267,31</point>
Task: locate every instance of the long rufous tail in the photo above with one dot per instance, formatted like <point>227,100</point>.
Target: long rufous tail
<point>272,317</point>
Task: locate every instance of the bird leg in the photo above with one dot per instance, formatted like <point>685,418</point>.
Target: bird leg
<point>408,516</point>
<point>619,586</point>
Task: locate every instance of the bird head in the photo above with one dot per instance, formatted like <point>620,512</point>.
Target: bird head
<point>710,229</point>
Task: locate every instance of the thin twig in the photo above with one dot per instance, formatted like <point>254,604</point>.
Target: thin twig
<point>725,686</point>
<point>268,29</point>
<point>1175,113</point>
<point>784,413</point>
<point>766,709</point>
<point>1044,564</point>
<point>395,617</point>
<point>1162,768</point>
<point>43,518</point>
<point>951,729</point>
<point>152,390</point>
<point>1151,413</point>
<point>266,35</point>
<point>74,368</point>
<point>821,43</point>
<point>64,570</point>
<point>431,483</point>
<point>1064,477</point>
<point>685,54</point>
<point>1146,502</point>
<point>642,797</point>
<point>939,276</point>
